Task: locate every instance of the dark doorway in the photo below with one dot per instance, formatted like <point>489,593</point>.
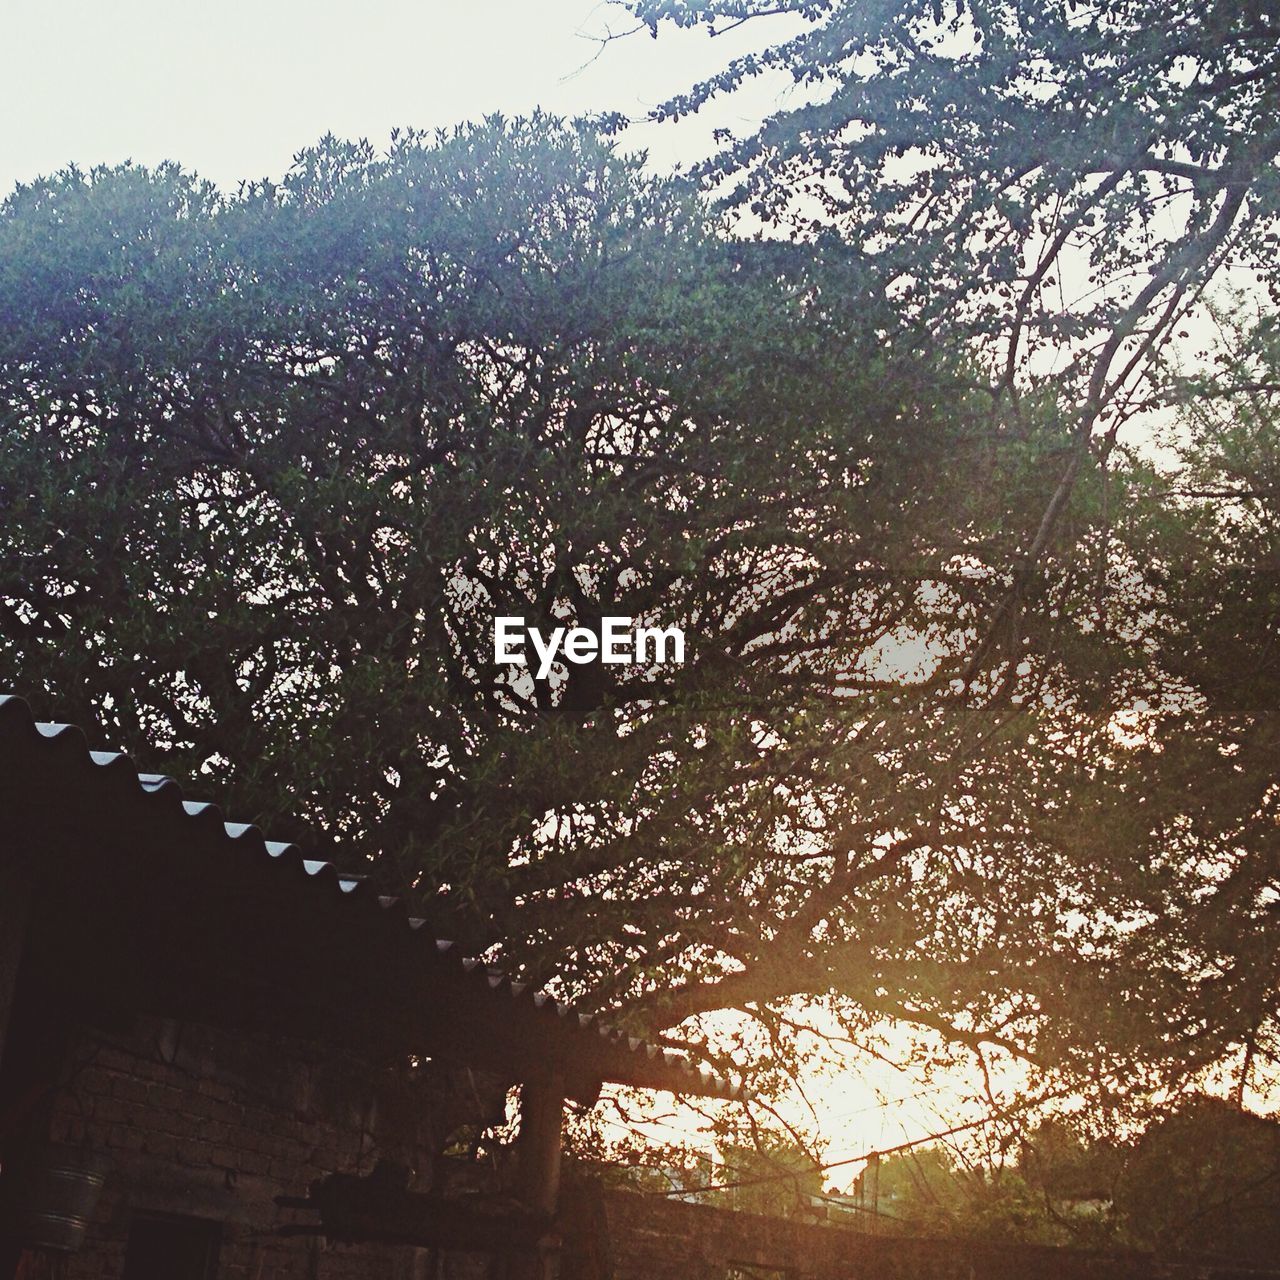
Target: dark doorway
<point>171,1248</point>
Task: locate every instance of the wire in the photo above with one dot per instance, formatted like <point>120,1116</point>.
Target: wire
<point>843,1117</point>
<point>868,1155</point>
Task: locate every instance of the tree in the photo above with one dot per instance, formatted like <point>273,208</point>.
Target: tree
<point>1201,1178</point>
<point>1050,188</point>
<point>275,461</point>
<point>1205,1180</point>
<point>778,1178</point>
<point>1193,795</point>
<point>1051,192</point>
<point>933,1192</point>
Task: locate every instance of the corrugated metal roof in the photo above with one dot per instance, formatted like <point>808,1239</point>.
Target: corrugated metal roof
<point>164,844</point>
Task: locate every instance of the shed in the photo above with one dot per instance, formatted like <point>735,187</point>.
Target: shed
<point>121,898</point>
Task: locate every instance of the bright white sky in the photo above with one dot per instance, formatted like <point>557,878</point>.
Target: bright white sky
<point>234,89</point>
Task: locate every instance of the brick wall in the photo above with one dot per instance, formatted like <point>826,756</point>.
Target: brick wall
<point>214,1125</point>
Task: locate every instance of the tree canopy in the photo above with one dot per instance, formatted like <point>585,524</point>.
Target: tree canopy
<point>1200,1179</point>
<point>1054,194</point>
<point>1057,181</point>
<point>1049,187</point>
<point>275,460</point>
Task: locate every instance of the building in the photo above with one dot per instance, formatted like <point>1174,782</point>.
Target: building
<point>219,1058</point>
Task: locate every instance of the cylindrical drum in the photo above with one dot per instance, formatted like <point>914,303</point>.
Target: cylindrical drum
<point>49,1196</point>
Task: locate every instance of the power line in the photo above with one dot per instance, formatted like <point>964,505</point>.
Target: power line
<point>843,1117</point>
<point>868,1155</point>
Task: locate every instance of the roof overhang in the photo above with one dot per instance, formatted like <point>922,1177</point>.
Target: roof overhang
<point>146,901</point>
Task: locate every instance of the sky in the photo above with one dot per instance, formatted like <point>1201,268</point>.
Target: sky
<point>233,90</point>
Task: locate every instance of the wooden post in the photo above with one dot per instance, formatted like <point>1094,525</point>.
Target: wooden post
<point>538,1150</point>
<point>15,906</point>
<point>538,1165</point>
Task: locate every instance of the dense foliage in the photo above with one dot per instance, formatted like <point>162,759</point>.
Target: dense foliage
<point>274,461</point>
<point>1051,192</point>
<point>1203,1179</point>
<point>1050,184</point>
